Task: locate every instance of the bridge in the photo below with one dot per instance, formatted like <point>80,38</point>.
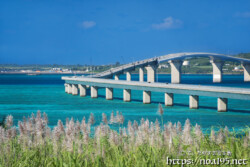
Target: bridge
<point>103,79</point>
<point>176,60</point>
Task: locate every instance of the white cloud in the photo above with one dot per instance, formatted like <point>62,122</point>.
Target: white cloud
<point>88,24</point>
<point>243,14</point>
<point>168,23</point>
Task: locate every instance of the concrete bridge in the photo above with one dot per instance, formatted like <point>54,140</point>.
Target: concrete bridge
<point>175,61</point>
<point>78,85</point>
<point>75,85</point>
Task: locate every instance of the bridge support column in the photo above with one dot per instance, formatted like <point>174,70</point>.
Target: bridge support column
<point>66,87</point>
<point>74,89</point>
<point>217,70</point>
<point>222,104</point>
<point>193,101</point>
<point>94,91</point>
<point>175,70</point>
<point>128,76</point>
<point>109,93</point>
<point>82,89</point>
<point>246,68</point>
<point>141,74</point>
<point>69,88</point>
<point>127,95</point>
<point>146,97</point>
<point>169,98</point>
<point>151,73</point>
<point>116,76</point>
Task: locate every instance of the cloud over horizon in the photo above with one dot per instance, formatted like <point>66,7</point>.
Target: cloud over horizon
<point>88,24</point>
<point>168,23</point>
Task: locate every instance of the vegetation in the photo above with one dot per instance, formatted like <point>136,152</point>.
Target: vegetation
<point>33,143</point>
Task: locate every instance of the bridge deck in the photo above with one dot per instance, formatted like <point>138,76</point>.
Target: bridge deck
<point>213,91</point>
<point>175,56</point>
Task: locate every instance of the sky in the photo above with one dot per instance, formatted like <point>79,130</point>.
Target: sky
<point>98,32</point>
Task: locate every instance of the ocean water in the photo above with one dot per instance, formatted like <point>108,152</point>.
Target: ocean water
<point>21,95</point>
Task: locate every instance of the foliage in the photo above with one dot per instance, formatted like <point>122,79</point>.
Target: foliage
<point>145,144</point>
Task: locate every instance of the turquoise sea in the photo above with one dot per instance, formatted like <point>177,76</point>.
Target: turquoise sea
<point>20,95</point>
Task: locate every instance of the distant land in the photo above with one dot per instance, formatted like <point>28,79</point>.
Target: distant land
<point>192,66</point>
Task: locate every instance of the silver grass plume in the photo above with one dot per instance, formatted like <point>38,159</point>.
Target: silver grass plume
<point>124,132</point>
<point>139,139</point>
<point>67,121</point>
<point>13,132</point>
<point>117,117</point>
<point>60,127</point>
<point>212,136</point>
<point>38,115</point>
<point>135,125</point>
<point>157,127</point>
<point>104,118</point>
<point>179,127</point>
<point>198,132</point>
<point>113,138</point>
<point>91,120</point>
<point>83,126</point>
<point>142,121</point>
<point>170,142</point>
<point>56,139</point>
<point>160,109</point>
<point>39,131</point>
<point>186,135</point>
<point>220,137</point>
<point>33,118</point>
<point>170,126</point>
<point>121,119</point>
<point>112,118</point>
<point>152,128</point>
<point>77,128</point>
<point>245,142</point>
<point>2,135</point>
<point>226,131</point>
<point>69,138</point>
<point>45,118</point>
<point>9,121</point>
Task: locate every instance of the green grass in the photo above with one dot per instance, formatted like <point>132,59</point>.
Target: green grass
<point>148,144</point>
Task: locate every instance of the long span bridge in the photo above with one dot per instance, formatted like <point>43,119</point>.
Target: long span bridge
<point>75,85</point>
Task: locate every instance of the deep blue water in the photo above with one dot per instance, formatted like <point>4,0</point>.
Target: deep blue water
<point>20,95</point>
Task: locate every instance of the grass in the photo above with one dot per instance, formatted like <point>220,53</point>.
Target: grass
<point>33,143</point>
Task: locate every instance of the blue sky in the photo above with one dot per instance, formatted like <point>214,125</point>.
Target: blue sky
<point>103,32</point>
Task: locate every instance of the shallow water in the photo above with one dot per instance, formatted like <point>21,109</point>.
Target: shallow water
<point>20,95</point>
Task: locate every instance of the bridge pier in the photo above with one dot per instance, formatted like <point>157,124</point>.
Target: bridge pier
<point>222,104</point>
<point>94,91</point>
<point>246,68</point>
<point>193,102</point>
<point>127,95</point>
<point>66,87</point>
<point>69,89</point>
<point>175,70</point>
<point>128,76</point>
<point>82,89</point>
<point>141,74</point>
<point>217,70</point>
<point>117,76</point>
<point>74,89</point>
<point>109,93</point>
<point>169,98</point>
<point>151,73</point>
<point>146,97</point>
